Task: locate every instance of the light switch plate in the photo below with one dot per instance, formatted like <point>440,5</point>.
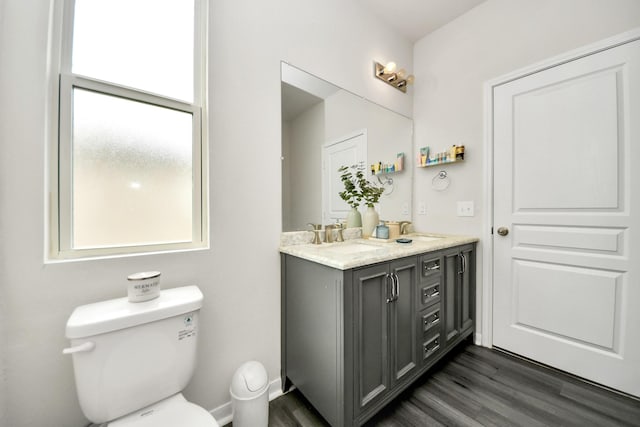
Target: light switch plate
<point>465,208</point>
<point>422,208</point>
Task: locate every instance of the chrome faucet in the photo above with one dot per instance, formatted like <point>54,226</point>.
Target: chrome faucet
<point>316,228</point>
<point>404,225</point>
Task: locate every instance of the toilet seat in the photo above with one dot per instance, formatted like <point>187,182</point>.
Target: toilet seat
<point>170,412</point>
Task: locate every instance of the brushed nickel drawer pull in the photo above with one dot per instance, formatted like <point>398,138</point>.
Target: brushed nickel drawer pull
<point>431,321</point>
<point>431,347</point>
<point>431,292</point>
<point>429,267</point>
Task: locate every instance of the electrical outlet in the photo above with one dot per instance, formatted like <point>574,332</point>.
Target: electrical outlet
<point>405,208</point>
<point>422,208</point>
<point>465,208</point>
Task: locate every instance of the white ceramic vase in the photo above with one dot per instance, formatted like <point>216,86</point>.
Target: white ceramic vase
<point>369,221</point>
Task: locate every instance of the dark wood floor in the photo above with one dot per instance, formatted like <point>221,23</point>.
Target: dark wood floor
<point>481,387</point>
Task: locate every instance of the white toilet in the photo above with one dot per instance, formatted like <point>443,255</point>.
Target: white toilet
<point>132,360</point>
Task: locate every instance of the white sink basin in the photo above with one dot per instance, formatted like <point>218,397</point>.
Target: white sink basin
<point>350,248</point>
<point>425,238</point>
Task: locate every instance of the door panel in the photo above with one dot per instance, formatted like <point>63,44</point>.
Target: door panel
<point>579,112</point>
<point>403,325</point>
<point>372,363</point>
<point>451,305</point>
<point>566,288</point>
<point>593,294</point>
<point>592,240</point>
<point>467,290</point>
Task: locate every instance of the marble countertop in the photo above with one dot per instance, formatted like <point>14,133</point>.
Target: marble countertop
<point>359,252</point>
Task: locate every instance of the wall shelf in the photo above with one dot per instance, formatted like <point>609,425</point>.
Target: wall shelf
<point>388,168</point>
<point>448,162</point>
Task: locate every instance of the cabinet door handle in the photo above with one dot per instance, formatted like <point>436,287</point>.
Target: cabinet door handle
<point>389,298</point>
<point>463,263</point>
<point>396,280</point>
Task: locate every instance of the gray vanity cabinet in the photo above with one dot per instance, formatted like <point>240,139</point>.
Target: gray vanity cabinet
<point>459,292</point>
<point>384,329</point>
<point>352,340</point>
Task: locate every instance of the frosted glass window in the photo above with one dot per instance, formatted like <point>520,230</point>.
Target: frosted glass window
<point>129,170</point>
<point>132,173</point>
<point>143,44</point>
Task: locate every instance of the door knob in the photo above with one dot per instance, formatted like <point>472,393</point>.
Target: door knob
<point>503,231</point>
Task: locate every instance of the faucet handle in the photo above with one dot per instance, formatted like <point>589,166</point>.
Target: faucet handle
<point>315,226</point>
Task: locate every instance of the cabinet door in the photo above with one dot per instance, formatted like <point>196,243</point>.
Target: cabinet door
<point>402,322</point>
<point>371,291</point>
<point>467,288</point>
<point>451,292</point>
<point>459,292</point>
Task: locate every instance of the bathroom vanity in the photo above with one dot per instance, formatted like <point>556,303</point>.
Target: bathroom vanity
<point>361,320</point>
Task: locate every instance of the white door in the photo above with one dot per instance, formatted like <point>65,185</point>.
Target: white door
<point>567,188</point>
<point>346,151</point>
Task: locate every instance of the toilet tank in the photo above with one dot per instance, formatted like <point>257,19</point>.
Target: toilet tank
<point>143,352</point>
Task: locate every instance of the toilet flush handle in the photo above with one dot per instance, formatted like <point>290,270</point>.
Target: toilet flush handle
<point>85,346</point>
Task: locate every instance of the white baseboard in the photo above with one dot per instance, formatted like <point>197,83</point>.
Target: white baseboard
<point>224,413</point>
<point>477,338</point>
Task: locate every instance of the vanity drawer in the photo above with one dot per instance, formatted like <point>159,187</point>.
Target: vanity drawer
<point>430,266</point>
<point>431,320</point>
<point>431,346</point>
<point>430,293</point>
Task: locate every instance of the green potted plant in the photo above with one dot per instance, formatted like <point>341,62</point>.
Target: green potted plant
<point>351,177</point>
<point>357,188</point>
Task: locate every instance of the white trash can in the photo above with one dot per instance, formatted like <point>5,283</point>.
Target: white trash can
<point>249,396</point>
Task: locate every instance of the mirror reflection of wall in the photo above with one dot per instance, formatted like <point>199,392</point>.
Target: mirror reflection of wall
<point>315,114</point>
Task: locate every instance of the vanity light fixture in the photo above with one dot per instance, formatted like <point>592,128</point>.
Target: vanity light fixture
<point>388,74</point>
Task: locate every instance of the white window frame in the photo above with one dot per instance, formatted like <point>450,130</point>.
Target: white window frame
<point>62,84</point>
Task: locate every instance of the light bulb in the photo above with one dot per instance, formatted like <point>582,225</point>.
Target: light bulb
<point>401,73</point>
<point>410,79</point>
<point>390,67</point>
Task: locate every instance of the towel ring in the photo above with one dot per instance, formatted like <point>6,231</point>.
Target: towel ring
<point>440,181</point>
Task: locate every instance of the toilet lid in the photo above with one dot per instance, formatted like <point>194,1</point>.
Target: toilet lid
<point>169,413</point>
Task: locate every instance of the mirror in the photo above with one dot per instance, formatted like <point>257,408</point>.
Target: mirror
<point>324,127</point>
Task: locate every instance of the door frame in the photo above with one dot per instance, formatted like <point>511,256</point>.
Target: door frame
<point>484,336</point>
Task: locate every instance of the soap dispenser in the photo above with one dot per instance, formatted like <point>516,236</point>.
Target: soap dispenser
<point>382,231</point>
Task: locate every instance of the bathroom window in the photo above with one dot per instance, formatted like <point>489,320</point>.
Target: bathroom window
<point>131,156</point>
